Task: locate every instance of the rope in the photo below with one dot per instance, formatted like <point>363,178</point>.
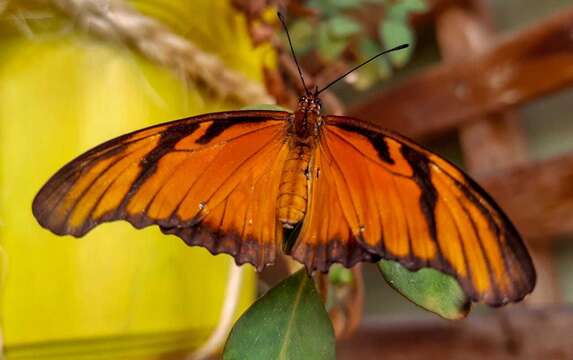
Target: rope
<point>115,20</point>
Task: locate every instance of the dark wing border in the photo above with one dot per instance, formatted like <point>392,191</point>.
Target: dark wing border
<point>414,154</point>
<point>170,133</point>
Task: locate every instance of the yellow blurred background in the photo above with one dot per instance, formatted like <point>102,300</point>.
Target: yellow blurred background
<point>71,78</point>
<point>63,90</point>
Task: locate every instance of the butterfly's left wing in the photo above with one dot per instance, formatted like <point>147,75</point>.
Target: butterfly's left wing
<point>397,200</point>
<point>209,179</point>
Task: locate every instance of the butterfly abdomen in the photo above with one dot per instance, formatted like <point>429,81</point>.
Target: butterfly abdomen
<point>293,190</point>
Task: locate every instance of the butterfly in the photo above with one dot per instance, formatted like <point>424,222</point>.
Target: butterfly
<point>330,189</point>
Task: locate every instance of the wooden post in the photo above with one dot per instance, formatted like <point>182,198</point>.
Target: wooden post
<point>495,141</point>
<point>520,67</point>
<point>544,334</point>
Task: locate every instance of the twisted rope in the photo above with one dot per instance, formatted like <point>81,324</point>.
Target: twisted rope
<point>115,20</point>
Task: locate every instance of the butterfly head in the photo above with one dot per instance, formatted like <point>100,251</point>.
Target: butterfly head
<point>309,104</point>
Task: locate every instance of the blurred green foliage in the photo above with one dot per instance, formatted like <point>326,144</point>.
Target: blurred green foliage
<point>338,275</point>
<point>337,31</point>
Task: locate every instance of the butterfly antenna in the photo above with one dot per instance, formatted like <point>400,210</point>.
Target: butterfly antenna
<point>399,47</point>
<point>283,22</point>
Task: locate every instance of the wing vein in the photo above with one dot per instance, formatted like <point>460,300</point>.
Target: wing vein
<point>239,166</point>
<point>88,187</point>
<point>64,181</point>
<point>328,153</point>
<point>369,158</point>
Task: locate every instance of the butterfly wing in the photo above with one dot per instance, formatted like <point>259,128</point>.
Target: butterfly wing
<point>399,201</point>
<point>200,178</point>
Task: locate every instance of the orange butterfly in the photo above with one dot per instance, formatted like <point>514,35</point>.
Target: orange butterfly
<point>244,182</point>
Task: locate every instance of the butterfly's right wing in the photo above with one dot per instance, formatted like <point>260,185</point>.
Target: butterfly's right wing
<point>377,194</point>
<point>207,179</point>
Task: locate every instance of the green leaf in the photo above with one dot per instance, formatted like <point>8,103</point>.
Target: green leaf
<point>345,4</point>
<point>329,47</point>
<point>393,33</point>
<point>427,288</point>
<point>338,275</point>
<point>368,75</point>
<point>302,33</point>
<point>342,26</point>
<point>368,49</point>
<point>323,7</point>
<point>330,7</point>
<point>416,5</point>
<point>288,322</point>
<point>401,11</point>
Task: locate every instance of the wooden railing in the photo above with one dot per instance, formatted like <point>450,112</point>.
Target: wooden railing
<point>475,91</point>
<point>516,69</point>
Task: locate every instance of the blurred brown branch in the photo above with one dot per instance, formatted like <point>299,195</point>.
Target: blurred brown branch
<point>544,189</point>
<point>520,68</point>
<point>541,333</point>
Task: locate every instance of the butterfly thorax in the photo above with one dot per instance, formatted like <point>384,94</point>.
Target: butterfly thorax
<point>305,123</point>
<point>304,128</point>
